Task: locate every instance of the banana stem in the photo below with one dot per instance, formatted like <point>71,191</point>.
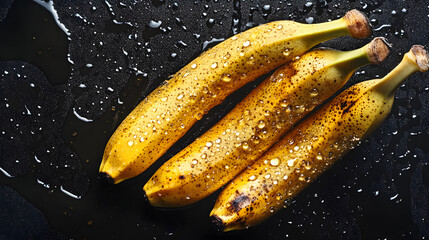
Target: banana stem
<point>353,59</point>
<point>374,52</point>
<point>354,23</point>
<point>321,32</point>
<point>413,61</point>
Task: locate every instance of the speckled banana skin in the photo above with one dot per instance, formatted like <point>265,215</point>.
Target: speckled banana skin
<point>310,148</point>
<point>255,124</point>
<point>169,111</point>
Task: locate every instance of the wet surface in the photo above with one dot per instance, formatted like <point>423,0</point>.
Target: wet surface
<point>71,71</point>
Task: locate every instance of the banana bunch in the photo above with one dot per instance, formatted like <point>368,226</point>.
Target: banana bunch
<point>256,123</point>
<point>311,147</point>
<point>253,145</point>
<point>169,111</point>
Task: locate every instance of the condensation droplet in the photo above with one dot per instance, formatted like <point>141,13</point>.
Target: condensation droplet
<point>286,52</point>
<point>253,177</point>
<point>261,124</point>
<point>268,176</point>
<point>194,65</point>
<point>214,65</point>
<point>195,161</point>
<point>203,156</point>
<point>164,99</point>
<point>279,26</point>
<point>275,162</point>
<point>130,143</point>
<point>209,144</point>
<point>246,43</point>
<point>180,96</point>
<point>314,92</point>
<point>226,78</point>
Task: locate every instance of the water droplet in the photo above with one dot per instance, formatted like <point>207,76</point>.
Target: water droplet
<point>252,178</point>
<point>210,22</point>
<point>309,20</point>
<point>209,144</point>
<point>214,65</point>
<point>155,24</point>
<point>227,166</point>
<point>319,157</point>
<point>194,65</point>
<point>314,92</point>
<point>267,113</point>
<point>195,161</point>
<point>164,99</point>
<point>245,146</point>
<point>286,52</point>
<point>296,148</point>
<point>188,197</point>
<point>291,162</point>
<point>246,43</point>
<point>307,165</point>
<point>261,124</point>
<point>130,143</point>
<point>180,96</point>
<point>285,177</point>
<point>268,176</point>
<point>203,156</point>
<point>279,26</point>
<point>275,162</point>
<point>141,139</point>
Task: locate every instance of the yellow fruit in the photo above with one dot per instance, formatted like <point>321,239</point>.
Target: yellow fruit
<point>170,110</point>
<point>310,148</point>
<point>256,123</point>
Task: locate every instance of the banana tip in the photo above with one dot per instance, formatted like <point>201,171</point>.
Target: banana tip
<point>378,50</point>
<point>358,24</point>
<point>217,223</point>
<point>105,177</point>
<point>421,57</point>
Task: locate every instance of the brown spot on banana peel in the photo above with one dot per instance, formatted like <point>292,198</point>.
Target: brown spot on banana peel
<point>149,130</point>
<point>267,112</point>
<point>315,144</point>
<point>239,202</point>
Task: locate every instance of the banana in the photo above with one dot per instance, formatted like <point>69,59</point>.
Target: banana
<point>311,147</point>
<point>256,123</point>
<point>171,109</point>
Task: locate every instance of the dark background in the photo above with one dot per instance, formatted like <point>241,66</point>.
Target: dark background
<point>71,71</point>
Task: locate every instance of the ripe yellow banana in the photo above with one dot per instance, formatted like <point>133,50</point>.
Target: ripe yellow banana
<point>256,123</point>
<point>170,110</point>
<point>311,147</point>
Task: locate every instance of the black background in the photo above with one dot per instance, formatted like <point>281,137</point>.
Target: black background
<point>99,59</point>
